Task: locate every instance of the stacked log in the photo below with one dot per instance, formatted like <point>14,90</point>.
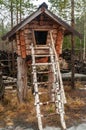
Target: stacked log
<point>1,84</point>
<point>6,62</point>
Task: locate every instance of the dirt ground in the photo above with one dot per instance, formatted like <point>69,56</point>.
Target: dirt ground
<point>13,114</point>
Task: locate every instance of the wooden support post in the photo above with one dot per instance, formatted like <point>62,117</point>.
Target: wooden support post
<point>13,60</point>
<point>22,79</point>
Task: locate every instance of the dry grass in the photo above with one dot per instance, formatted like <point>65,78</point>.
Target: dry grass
<point>74,100</point>
<point>75,108</point>
<point>75,103</point>
<point>78,84</point>
<point>11,112</point>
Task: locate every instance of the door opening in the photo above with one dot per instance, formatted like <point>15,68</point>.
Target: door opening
<point>41,37</point>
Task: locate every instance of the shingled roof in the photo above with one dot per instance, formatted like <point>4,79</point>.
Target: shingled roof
<point>43,8</point>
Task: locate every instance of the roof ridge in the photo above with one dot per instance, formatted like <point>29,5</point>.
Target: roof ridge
<point>43,5</point>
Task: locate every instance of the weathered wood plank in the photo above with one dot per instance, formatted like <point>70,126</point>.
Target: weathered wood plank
<point>22,79</point>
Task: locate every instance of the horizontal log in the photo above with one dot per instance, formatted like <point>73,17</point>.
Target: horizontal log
<point>54,37</point>
<point>44,22</point>
<point>23,48</point>
<point>18,42</point>
<point>26,30</point>
<point>38,52</point>
<point>17,37</point>
<point>22,43</point>
<point>26,34</point>
<point>19,52</point>
<point>9,78</point>
<point>35,22</point>
<point>27,52</point>
<point>54,31</point>
<point>26,26</point>
<point>48,41</point>
<point>28,42</point>
<point>18,48</point>
<point>42,27</point>
<point>28,45</point>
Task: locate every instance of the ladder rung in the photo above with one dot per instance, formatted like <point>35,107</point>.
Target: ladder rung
<point>43,55</point>
<point>41,47</point>
<point>45,103</point>
<point>44,72</point>
<point>43,64</point>
<point>48,115</point>
<point>40,93</point>
<point>40,83</point>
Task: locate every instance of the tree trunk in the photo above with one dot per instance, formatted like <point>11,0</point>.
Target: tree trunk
<point>12,48</point>
<point>84,51</point>
<point>22,79</point>
<point>2,87</point>
<point>13,59</point>
<point>11,11</point>
<point>17,18</point>
<point>72,43</point>
<point>20,10</point>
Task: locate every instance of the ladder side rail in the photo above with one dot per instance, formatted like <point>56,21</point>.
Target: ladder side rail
<point>54,65</point>
<point>63,100</point>
<point>56,87</point>
<point>53,70</point>
<point>37,101</point>
<point>58,67</point>
<point>59,103</point>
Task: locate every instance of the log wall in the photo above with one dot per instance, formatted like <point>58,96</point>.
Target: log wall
<point>25,37</point>
<point>59,41</point>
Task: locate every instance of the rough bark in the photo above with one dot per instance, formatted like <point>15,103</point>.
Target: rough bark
<point>22,79</point>
<point>72,43</point>
<point>2,87</point>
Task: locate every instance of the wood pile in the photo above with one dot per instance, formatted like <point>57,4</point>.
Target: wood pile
<point>6,60</point>
<point>80,66</point>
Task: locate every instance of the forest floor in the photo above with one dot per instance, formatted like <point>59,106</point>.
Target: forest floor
<point>14,114</point>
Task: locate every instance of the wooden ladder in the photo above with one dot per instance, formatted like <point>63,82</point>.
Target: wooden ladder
<point>57,91</point>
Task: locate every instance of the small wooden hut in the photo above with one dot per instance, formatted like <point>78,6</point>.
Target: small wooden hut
<point>44,30</point>
<point>36,29</point>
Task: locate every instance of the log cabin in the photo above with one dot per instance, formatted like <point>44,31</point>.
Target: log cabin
<point>40,30</point>
<point>36,29</point>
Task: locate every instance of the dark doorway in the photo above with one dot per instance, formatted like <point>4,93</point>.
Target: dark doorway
<point>41,37</point>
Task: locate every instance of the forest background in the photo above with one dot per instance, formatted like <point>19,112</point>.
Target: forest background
<point>14,11</point>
